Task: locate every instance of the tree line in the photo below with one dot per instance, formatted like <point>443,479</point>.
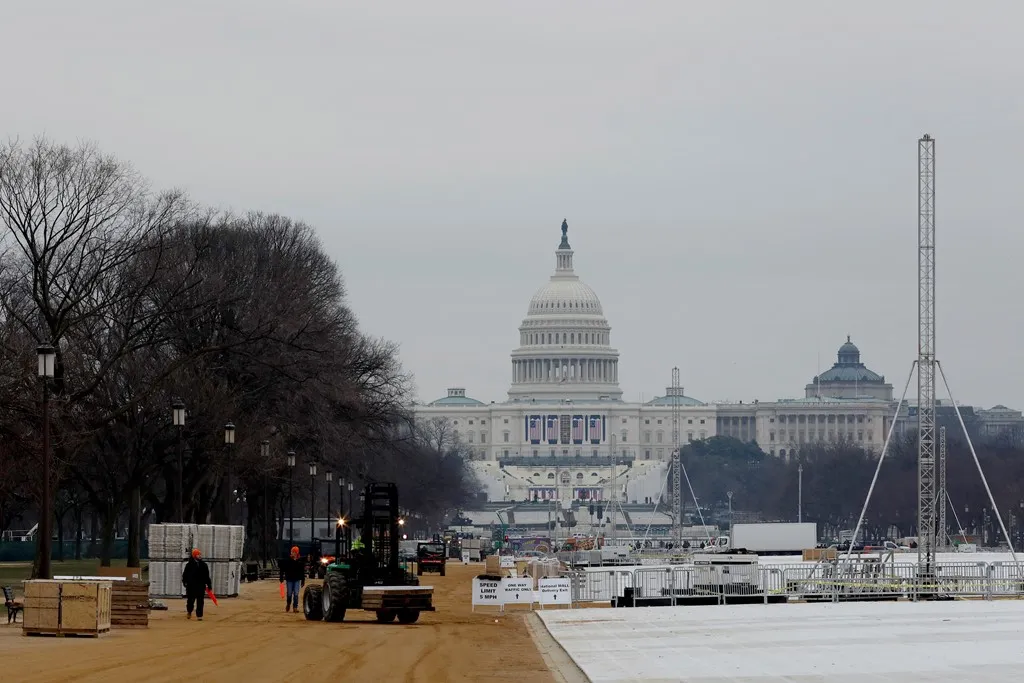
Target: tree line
<point>836,479</point>
<point>149,298</point>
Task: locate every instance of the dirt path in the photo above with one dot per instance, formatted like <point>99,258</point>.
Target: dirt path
<point>251,638</point>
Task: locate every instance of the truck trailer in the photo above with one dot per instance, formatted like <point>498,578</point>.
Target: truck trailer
<point>771,538</point>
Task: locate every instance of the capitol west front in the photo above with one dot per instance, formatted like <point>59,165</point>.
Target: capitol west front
<point>564,418</point>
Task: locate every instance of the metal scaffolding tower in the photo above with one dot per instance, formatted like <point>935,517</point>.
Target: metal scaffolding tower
<point>677,462</point>
<point>941,494</point>
<point>927,498</point>
<point>932,494</point>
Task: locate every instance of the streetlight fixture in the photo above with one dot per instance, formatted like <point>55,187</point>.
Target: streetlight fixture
<point>229,441</point>
<point>291,498</point>
<point>329,478</point>
<point>178,412</point>
<point>265,456</point>
<point>47,356</point>
<point>312,501</point>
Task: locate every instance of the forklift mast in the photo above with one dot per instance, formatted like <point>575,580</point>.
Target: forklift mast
<point>380,529</point>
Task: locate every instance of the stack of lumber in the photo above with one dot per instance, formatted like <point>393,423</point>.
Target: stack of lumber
<point>129,604</point>
<point>57,607</point>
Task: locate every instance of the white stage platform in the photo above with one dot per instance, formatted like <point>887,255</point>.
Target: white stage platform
<point>933,642</point>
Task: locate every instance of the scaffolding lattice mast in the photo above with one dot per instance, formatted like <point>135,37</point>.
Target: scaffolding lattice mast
<point>927,497</point>
<point>677,462</point>
<point>941,494</point>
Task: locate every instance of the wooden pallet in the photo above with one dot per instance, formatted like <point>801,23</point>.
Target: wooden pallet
<point>61,632</point>
<point>130,604</point>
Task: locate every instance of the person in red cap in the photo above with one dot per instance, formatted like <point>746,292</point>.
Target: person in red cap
<point>196,579</point>
<point>293,575</point>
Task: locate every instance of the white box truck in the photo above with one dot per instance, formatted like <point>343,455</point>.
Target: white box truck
<point>772,538</point>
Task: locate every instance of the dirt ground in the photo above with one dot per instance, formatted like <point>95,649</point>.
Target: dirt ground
<point>252,639</point>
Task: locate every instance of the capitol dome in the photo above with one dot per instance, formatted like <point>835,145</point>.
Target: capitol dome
<point>564,348</point>
<point>565,296</point>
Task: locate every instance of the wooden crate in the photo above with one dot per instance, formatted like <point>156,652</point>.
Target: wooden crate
<point>129,604</point>
<point>67,607</point>
<point>42,606</point>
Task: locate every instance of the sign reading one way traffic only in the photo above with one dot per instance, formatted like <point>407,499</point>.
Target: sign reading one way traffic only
<point>517,591</point>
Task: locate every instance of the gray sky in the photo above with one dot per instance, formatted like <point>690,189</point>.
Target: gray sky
<point>739,178</point>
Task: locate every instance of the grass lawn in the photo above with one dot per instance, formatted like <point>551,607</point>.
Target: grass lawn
<point>13,573</point>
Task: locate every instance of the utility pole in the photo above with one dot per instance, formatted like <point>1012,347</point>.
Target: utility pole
<point>615,489</point>
<point>800,492</point>
<point>926,495</point>
<point>675,392</point>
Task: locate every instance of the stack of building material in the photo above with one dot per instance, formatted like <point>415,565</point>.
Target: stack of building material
<point>67,607</point>
<point>171,544</point>
<point>129,604</point>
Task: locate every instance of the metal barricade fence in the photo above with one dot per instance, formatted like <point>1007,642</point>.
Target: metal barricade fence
<point>1006,579</point>
<point>866,579</point>
<point>599,585</point>
<point>652,584</point>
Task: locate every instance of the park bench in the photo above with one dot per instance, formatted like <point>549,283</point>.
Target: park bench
<point>13,606</point>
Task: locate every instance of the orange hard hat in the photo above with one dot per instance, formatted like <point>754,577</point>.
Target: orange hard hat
<point>195,552</point>
<point>295,550</point>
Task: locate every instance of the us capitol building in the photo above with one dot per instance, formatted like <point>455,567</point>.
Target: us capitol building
<point>565,433</point>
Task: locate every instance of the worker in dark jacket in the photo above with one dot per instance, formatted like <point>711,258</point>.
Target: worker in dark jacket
<point>196,579</point>
<point>293,571</point>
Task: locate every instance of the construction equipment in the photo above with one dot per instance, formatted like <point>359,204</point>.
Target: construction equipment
<point>430,556</point>
<point>366,573</point>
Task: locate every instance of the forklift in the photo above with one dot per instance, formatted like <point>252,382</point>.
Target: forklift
<point>366,573</point>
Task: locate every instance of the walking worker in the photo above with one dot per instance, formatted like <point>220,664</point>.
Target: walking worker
<point>293,575</point>
<point>196,579</point>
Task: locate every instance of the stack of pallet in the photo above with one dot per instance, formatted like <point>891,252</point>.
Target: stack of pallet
<point>171,544</point>
<point>66,607</point>
<point>129,604</point>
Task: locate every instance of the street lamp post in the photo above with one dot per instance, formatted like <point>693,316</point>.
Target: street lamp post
<point>229,441</point>
<point>312,501</point>
<point>800,492</point>
<point>291,498</point>
<point>329,478</point>
<point>265,456</point>
<point>351,512</point>
<point>341,497</point>
<point>729,494</point>
<point>178,411</point>
<point>47,359</point>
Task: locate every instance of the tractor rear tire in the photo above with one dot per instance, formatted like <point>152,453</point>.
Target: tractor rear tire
<point>312,603</point>
<point>442,570</point>
<point>386,616</point>
<point>408,616</point>
<point>335,597</point>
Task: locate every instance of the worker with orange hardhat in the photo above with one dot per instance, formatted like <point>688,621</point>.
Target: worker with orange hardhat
<point>293,575</point>
<point>196,579</point>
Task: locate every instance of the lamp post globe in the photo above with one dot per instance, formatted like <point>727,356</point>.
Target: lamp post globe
<point>265,455</point>
<point>291,498</point>
<point>47,360</point>
<point>178,417</point>
<point>312,501</point>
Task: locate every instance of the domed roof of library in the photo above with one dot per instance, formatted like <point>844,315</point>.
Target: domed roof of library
<point>848,367</point>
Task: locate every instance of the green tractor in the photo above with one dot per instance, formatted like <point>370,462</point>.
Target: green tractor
<point>367,573</point>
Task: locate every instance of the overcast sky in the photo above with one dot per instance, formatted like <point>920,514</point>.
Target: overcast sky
<point>739,179</point>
